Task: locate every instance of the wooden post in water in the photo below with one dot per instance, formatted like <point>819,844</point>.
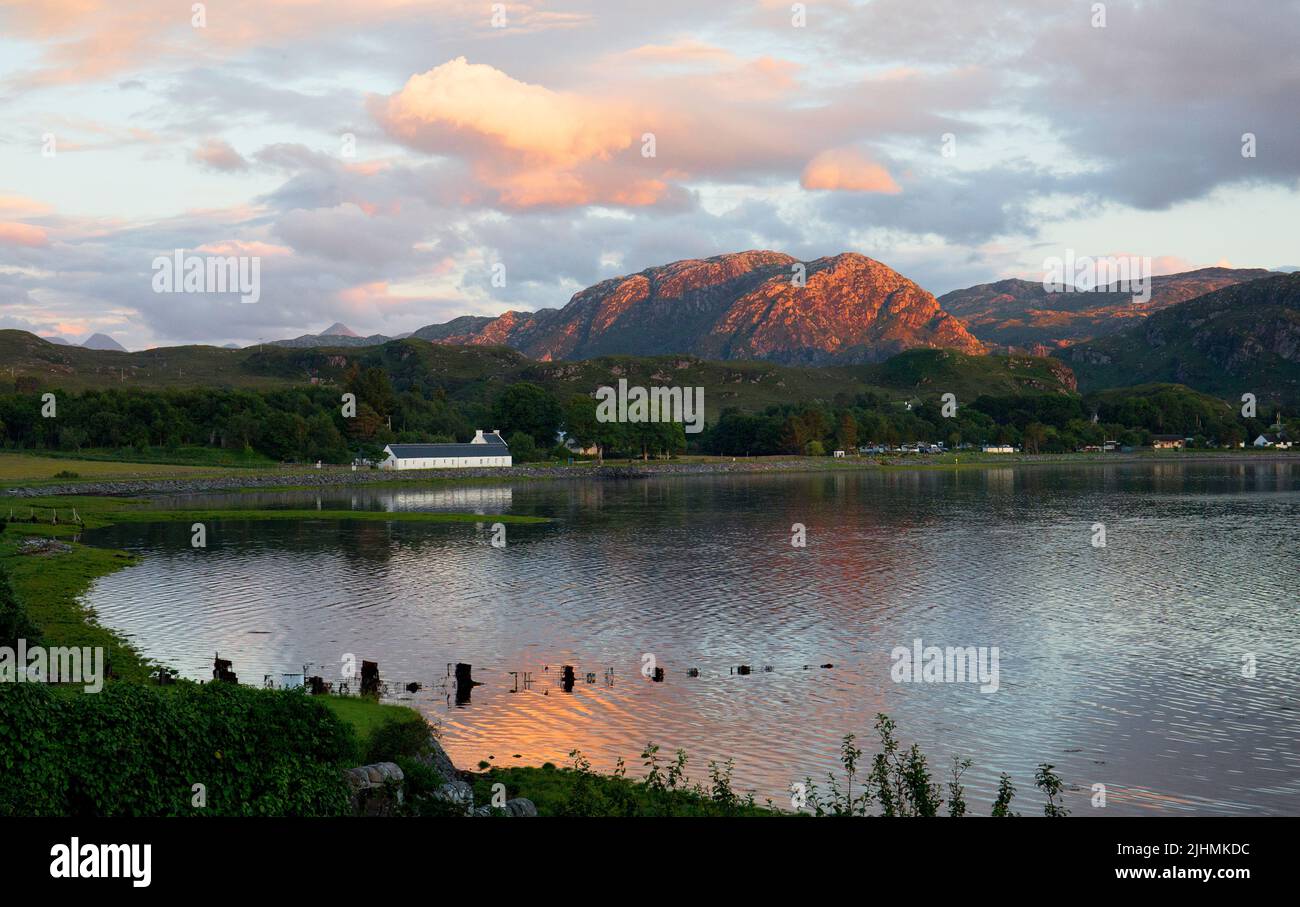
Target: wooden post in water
<point>465,682</point>
<point>221,670</point>
<point>369,678</point>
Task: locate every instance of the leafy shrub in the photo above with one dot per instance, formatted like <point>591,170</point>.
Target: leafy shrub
<point>14,621</point>
<point>139,750</point>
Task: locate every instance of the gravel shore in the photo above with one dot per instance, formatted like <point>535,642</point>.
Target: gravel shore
<point>336,476</point>
<point>339,477</point>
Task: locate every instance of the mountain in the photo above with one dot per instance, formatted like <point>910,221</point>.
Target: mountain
<point>1020,313</point>
<point>1240,339</point>
<point>852,309</point>
<point>342,336</point>
<point>103,342</point>
<point>57,340</point>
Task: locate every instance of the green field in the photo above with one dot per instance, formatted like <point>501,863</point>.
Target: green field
<point>21,467</point>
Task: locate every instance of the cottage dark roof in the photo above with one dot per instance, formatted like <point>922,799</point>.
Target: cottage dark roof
<point>494,446</point>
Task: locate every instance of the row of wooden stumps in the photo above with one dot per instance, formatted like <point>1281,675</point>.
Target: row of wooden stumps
<point>465,682</point>
<point>222,670</point>
<point>742,670</point>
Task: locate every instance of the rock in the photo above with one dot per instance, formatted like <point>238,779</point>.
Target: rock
<point>458,793</point>
<point>376,789</point>
<point>521,806</point>
<point>439,761</point>
<point>42,546</point>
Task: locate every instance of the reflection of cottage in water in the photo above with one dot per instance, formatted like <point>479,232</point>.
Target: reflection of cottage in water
<point>464,498</point>
<point>485,450</point>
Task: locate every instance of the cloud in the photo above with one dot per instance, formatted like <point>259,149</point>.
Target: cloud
<point>849,170</point>
<point>532,146</point>
<point>217,154</point>
<point>461,102</point>
<point>19,234</point>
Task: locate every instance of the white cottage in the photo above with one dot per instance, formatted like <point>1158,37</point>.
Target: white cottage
<point>487,449</point>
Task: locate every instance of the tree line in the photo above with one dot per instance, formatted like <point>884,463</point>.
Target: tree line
<point>309,423</point>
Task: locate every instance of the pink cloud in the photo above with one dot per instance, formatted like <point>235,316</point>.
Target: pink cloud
<point>529,145</point>
<point>461,103</point>
<point>239,247</point>
<point>19,234</point>
<point>21,206</point>
<point>847,170</point>
<point>217,154</point>
<point>83,40</point>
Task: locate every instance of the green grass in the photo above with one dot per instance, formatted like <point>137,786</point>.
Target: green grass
<point>148,515</point>
<point>50,588</point>
<point>28,468</point>
<point>366,715</point>
<point>195,456</point>
<point>567,792</point>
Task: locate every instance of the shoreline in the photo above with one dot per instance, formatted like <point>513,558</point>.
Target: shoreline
<point>339,477</point>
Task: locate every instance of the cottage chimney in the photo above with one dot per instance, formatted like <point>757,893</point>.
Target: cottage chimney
<point>478,437</point>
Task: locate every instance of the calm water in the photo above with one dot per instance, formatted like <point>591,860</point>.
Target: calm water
<point>1122,665</point>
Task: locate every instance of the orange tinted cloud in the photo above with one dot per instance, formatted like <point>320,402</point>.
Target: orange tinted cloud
<point>473,101</point>
<point>21,206</point>
<point>16,234</point>
<point>529,144</point>
<point>847,170</point>
<point>84,40</point>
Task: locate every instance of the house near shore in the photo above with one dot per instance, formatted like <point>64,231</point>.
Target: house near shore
<point>486,449</point>
<point>573,446</point>
<point>1279,440</point>
<point>1168,442</point>
<point>997,449</point>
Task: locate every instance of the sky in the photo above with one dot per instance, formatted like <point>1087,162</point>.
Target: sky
<point>397,163</point>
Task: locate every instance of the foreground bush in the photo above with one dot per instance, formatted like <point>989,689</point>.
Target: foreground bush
<point>140,750</point>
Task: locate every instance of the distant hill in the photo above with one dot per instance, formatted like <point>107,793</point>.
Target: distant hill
<point>740,306</point>
<point>102,342</point>
<point>479,373</point>
<point>1240,339</point>
<point>337,334</point>
<point>80,368</point>
<point>1020,313</point>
